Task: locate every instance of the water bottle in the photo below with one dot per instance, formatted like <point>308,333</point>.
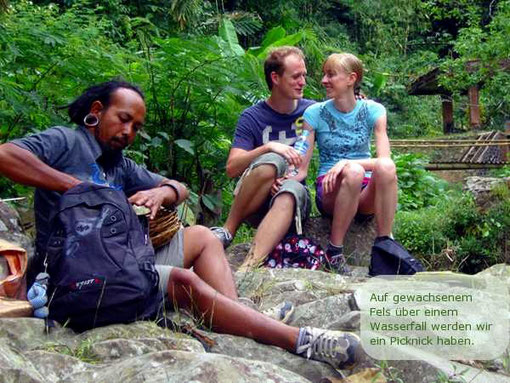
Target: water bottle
<point>301,146</point>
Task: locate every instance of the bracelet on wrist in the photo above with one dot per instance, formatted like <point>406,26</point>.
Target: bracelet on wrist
<point>174,188</point>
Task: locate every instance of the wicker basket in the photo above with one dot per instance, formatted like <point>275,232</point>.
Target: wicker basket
<point>163,227</point>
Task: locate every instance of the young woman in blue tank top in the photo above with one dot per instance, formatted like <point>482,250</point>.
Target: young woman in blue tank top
<point>349,180</point>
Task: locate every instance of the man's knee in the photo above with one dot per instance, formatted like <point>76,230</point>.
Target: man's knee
<point>201,235</point>
<point>184,278</point>
<point>294,194</point>
<point>284,201</point>
<point>262,174</point>
<point>385,170</point>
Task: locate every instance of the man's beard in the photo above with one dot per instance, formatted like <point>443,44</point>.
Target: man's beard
<point>106,148</point>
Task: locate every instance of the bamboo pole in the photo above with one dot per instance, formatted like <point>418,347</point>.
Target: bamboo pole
<point>461,166</point>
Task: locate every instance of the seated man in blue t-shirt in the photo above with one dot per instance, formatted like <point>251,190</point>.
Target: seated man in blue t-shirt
<point>266,196</point>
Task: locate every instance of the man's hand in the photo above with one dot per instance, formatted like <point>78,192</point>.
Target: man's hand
<point>288,152</point>
<point>151,198</point>
<point>329,181</point>
<point>277,184</point>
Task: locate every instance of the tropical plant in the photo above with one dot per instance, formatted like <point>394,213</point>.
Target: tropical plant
<point>417,187</point>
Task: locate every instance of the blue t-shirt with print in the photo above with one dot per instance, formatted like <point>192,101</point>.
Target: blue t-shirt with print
<point>260,124</point>
<point>340,135</point>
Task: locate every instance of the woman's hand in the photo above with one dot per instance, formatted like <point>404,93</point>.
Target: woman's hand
<point>329,181</point>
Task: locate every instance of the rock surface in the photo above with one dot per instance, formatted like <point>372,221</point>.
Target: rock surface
<point>357,247</point>
<point>481,188</point>
<point>144,352</point>
<point>358,240</point>
<point>10,229</point>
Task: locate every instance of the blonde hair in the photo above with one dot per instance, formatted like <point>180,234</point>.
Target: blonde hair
<point>346,62</point>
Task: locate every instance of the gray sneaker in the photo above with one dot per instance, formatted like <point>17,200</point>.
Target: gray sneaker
<point>337,263</point>
<point>223,235</point>
<point>337,348</point>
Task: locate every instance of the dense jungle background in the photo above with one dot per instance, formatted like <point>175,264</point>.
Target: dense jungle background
<point>200,65</point>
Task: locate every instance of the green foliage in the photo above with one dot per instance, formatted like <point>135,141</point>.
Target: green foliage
<point>456,234</point>
<point>44,58</point>
<point>9,189</point>
<point>200,66</point>
<point>481,56</point>
<point>453,377</point>
<point>229,35</point>
<point>275,37</point>
<point>502,172</point>
<point>417,187</point>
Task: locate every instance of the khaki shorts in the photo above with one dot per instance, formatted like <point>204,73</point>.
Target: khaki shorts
<point>167,257</point>
<point>298,190</point>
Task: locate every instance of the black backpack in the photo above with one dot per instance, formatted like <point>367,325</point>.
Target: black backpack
<point>390,258</point>
<point>100,261</point>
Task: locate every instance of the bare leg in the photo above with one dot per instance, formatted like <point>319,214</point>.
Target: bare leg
<point>343,201</point>
<point>205,253</point>
<point>271,230</point>
<point>253,193</point>
<point>380,196</point>
<point>224,315</point>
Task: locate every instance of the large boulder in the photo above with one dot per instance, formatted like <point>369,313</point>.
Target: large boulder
<point>144,352</point>
<point>357,247</point>
<point>358,240</point>
<point>268,287</point>
<point>181,366</point>
<point>249,349</point>
<point>482,187</point>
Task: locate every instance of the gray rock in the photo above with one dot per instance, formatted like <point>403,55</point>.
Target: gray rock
<point>114,349</point>
<point>350,321</point>
<point>29,334</point>
<point>499,270</point>
<point>322,312</point>
<point>358,240</point>
<point>236,254</point>
<point>142,329</point>
<point>268,287</point>
<point>428,371</point>
<point>246,348</point>
<point>477,185</point>
<point>14,367</point>
<point>54,366</point>
<point>181,366</point>
<point>357,247</point>
<point>8,375</point>
<point>481,188</point>
<point>11,230</point>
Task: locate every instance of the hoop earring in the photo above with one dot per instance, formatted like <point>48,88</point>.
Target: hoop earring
<point>91,120</point>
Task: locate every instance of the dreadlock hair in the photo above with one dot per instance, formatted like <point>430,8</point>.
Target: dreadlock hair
<point>80,107</point>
